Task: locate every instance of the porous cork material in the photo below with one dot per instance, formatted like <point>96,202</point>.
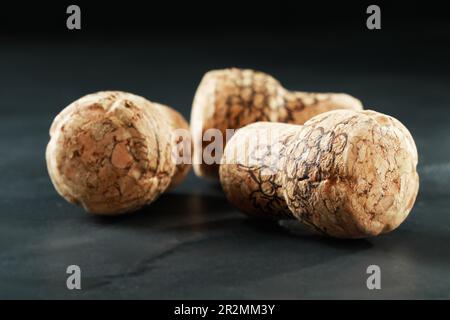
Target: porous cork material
<point>234,98</point>
<point>111,152</point>
<point>347,174</point>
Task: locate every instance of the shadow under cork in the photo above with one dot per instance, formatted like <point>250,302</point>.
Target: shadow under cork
<point>175,209</point>
<point>184,213</point>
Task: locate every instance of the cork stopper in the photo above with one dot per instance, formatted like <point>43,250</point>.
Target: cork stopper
<point>345,173</point>
<point>234,98</point>
<point>111,152</point>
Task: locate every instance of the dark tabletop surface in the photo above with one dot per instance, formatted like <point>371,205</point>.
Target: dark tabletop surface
<point>191,243</point>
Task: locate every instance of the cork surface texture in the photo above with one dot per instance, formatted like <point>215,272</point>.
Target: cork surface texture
<point>345,173</point>
<point>111,152</point>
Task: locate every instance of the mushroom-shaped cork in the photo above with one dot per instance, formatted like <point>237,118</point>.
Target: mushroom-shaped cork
<point>345,173</point>
<point>112,152</point>
<point>234,98</point>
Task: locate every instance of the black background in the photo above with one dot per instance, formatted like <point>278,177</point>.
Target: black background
<point>206,16</point>
<point>192,243</point>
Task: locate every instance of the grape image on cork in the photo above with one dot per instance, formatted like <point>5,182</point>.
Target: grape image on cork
<point>316,157</point>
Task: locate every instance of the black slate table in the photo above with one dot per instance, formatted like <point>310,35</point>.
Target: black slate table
<point>191,243</point>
